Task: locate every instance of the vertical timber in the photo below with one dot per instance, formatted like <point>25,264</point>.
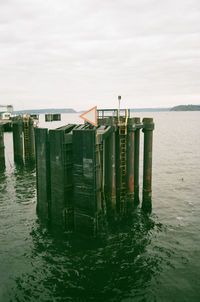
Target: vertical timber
<point>61,178</point>
<point>29,146</point>
<point>18,141</point>
<point>110,173</point>
<point>43,174</point>
<point>148,127</point>
<point>130,162</point>
<point>87,179</point>
<point>2,149</point>
<point>136,161</point>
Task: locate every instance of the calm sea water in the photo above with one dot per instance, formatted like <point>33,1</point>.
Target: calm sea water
<point>145,258</point>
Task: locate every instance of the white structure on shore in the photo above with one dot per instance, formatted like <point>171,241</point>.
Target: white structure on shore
<point>5,112</point>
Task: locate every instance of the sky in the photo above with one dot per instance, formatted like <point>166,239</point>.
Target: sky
<point>82,53</point>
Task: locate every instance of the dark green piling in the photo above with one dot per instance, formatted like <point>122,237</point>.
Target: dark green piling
<point>29,140</point>
<point>61,178</point>
<point>2,149</point>
<point>32,139</point>
<point>110,173</point>
<point>87,179</point>
<point>43,174</point>
<point>18,141</point>
<point>148,127</point>
<point>130,161</point>
<point>136,160</point>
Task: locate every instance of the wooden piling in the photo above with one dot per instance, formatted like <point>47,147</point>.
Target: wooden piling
<point>110,171</point>
<point>61,178</point>
<point>43,174</point>
<point>18,149</point>
<point>109,168</point>
<point>29,140</point>
<point>148,127</point>
<point>87,179</point>
<point>2,149</point>
<point>130,161</point>
<point>136,161</point>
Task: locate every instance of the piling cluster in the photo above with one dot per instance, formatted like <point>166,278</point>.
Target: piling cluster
<point>23,139</point>
<point>86,173</point>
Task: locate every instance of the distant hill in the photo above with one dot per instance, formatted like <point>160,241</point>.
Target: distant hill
<point>70,110</point>
<point>158,109</point>
<point>186,108</point>
<point>42,111</point>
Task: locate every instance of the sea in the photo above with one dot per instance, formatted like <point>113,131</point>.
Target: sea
<point>146,257</point>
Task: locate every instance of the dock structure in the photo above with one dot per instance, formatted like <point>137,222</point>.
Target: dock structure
<point>86,173</point>
<point>22,127</point>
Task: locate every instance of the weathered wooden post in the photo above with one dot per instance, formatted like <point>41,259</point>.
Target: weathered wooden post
<point>130,161</point>
<point>87,179</point>
<point>2,149</point>
<point>43,174</point>
<point>148,127</point>
<point>61,178</point>
<point>110,169</point>
<point>29,140</point>
<point>18,141</point>
<point>107,125</point>
<point>32,139</point>
<point>136,160</point>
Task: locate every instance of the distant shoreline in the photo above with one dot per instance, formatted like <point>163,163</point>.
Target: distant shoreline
<point>186,108</point>
<point>70,110</point>
<point>46,111</point>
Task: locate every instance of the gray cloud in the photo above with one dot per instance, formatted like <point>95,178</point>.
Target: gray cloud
<point>80,53</point>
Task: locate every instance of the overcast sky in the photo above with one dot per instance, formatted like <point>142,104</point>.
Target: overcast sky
<point>82,53</point>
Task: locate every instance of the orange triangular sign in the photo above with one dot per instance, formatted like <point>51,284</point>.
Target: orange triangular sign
<point>90,116</point>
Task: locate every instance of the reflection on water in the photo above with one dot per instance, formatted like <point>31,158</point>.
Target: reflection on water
<point>24,184</point>
<point>121,263</point>
<point>116,266</point>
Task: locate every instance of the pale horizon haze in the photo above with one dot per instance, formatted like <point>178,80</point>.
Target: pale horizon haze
<point>78,54</point>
